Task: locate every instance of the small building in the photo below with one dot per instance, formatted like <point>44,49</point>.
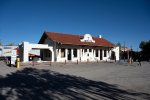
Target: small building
<point>10,53</point>
<point>29,50</point>
<point>125,49</point>
<point>68,47</point>
<point>7,51</point>
<point>126,52</point>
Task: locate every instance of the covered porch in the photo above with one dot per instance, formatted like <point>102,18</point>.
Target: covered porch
<point>84,53</point>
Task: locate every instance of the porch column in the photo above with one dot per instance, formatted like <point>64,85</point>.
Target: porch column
<point>107,54</point>
<point>52,56</point>
<point>99,54</point>
<point>88,50</point>
<point>72,55</point>
<point>59,53</point>
<point>107,51</point>
<point>93,52</point>
<point>82,52</point>
<point>26,49</point>
<point>81,55</point>
<point>78,54</point>
<point>110,54</point>
<point>52,52</point>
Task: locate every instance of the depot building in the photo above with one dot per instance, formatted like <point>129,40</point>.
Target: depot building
<point>60,47</point>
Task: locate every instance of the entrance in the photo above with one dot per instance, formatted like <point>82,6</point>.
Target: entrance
<point>46,55</point>
<point>113,57</point>
<point>101,54</point>
<point>69,54</point>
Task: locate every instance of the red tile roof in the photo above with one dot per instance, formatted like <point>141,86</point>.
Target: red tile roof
<point>74,39</point>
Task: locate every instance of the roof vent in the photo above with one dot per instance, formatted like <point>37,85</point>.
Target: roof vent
<point>100,36</point>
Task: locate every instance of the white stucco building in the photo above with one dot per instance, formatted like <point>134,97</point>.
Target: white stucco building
<point>58,47</point>
<point>26,49</point>
<point>68,47</point>
<point>6,51</point>
<point>9,52</point>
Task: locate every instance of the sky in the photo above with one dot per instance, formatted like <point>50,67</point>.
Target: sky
<point>116,20</point>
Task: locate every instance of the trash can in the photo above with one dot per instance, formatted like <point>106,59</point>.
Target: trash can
<point>18,62</point>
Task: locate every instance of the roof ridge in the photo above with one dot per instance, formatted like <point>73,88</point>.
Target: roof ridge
<point>63,33</point>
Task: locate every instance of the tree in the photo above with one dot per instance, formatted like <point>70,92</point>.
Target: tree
<point>1,43</point>
<point>145,49</point>
<point>118,44</point>
<point>11,44</point>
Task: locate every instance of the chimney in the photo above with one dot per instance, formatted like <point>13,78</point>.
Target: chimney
<point>100,36</point>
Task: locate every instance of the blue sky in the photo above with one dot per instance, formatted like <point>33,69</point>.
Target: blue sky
<point>115,20</point>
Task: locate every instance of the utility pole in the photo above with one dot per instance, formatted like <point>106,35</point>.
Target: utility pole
<point>131,51</point>
<point>124,51</point>
<point>131,56</point>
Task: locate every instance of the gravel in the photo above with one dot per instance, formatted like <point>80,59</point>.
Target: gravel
<point>126,76</point>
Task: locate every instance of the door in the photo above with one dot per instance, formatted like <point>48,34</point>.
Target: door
<point>101,54</point>
<point>69,54</point>
<point>113,55</point>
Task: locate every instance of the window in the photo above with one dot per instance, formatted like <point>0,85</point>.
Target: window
<point>62,52</point>
<point>96,53</point>
<point>105,53</point>
<point>90,50</point>
<point>75,52</point>
<point>85,50</point>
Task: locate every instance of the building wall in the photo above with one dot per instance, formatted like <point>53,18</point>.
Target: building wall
<point>8,51</point>
<point>52,44</point>
<point>116,50</point>
<point>84,54</point>
<point>26,47</point>
<point>0,52</point>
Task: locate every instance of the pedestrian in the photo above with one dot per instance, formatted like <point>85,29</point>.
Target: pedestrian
<point>139,60</point>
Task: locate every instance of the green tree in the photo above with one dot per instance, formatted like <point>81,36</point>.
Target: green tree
<point>1,43</point>
<point>145,49</point>
<point>118,44</point>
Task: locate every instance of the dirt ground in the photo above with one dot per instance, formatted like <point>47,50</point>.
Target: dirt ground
<point>71,81</point>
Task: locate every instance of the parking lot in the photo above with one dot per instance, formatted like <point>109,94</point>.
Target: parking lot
<point>71,81</point>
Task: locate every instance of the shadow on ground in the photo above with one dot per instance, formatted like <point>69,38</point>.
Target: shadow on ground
<point>39,84</point>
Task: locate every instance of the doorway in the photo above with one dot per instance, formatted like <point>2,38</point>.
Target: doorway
<point>69,54</point>
<point>46,55</point>
<point>113,57</point>
<point>101,54</point>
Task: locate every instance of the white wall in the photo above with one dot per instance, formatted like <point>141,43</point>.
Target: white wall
<point>116,50</point>
<point>54,45</point>
<point>0,52</point>
<point>81,55</point>
<point>84,56</point>
<point>27,47</point>
<point>8,51</point>
<point>87,56</point>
